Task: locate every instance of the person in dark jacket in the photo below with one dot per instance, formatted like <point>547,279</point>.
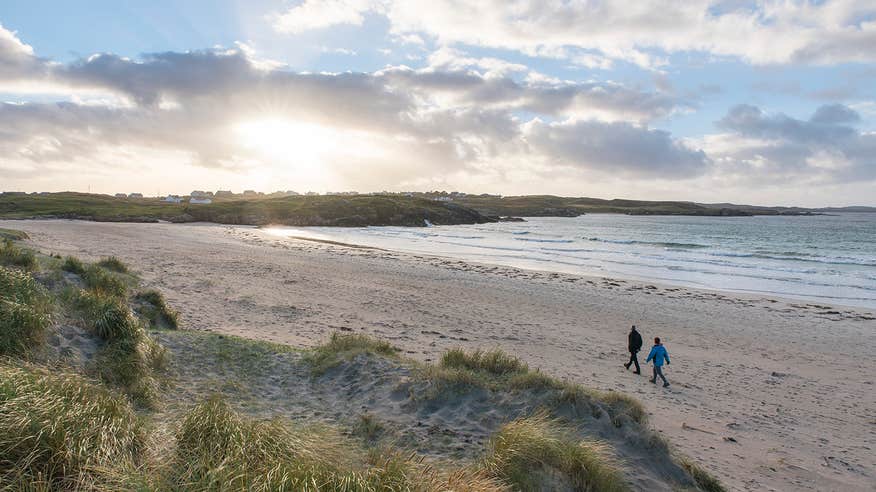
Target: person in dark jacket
<point>658,355</point>
<point>635,344</point>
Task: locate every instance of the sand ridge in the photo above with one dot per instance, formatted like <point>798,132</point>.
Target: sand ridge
<point>768,394</point>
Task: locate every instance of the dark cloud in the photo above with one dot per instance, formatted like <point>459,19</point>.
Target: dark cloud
<point>618,148</point>
<point>826,146</point>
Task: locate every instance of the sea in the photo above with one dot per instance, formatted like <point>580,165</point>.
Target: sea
<point>827,259</point>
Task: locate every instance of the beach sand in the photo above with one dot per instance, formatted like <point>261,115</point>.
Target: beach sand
<point>767,394</point>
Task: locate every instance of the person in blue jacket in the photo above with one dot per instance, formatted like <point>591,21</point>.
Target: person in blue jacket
<point>659,355</point>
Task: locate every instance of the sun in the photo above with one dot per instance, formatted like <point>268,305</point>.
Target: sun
<point>286,141</point>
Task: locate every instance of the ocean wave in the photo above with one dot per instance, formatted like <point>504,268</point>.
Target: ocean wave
<point>650,243</point>
<point>531,240</point>
<point>827,260</point>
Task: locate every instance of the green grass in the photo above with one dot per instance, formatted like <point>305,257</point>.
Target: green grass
<point>58,431</point>
<point>107,316</point>
<point>130,359</point>
<point>529,453</point>
<point>359,210</point>
<point>156,310</point>
<point>218,449</point>
<point>73,265</point>
<point>25,312</point>
<point>494,362</point>
<point>368,427</point>
<point>99,279</point>
<point>345,347</point>
<point>14,256</point>
<point>702,478</point>
<point>114,264</point>
<point>12,234</point>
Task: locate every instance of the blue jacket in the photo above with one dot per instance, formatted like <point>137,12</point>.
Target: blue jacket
<point>658,353</point>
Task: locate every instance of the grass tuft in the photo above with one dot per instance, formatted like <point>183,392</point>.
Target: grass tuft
<point>107,316</point>
<point>73,265</point>
<point>159,314</point>
<point>99,279</point>
<point>25,312</point>
<point>494,362</point>
<point>14,256</point>
<point>114,264</point>
<point>130,359</point>
<point>345,347</point>
<point>702,478</point>
<point>12,234</point>
<point>57,430</point>
<point>530,453</point>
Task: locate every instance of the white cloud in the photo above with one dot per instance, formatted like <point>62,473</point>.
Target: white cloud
<point>641,32</point>
<point>320,14</point>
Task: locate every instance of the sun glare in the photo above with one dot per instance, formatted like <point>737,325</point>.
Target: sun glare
<point>287,140</point>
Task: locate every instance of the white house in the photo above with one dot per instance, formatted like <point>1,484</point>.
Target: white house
<point>172,199</point>
<point>200,201</point>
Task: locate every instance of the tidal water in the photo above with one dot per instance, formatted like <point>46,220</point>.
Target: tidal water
<point>828,259</point>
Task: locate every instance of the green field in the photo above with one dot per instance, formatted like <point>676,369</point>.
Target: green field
<point>344,211</point>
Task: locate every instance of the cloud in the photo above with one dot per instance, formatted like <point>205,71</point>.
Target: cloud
<point>17,59</point>
<point>594,33</point>
<point>619,148</point>
<point>822,149</point>
<point>320,14</point>
<point>461,115</point>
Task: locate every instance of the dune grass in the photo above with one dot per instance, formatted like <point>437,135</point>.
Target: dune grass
<point>217,449</point>
<point>97,278</point>
<point>703,479</point>
<point>130,359</point>
<point>114,264</point>
<point>530,453</point>
<point>15,256</point>
<point>25,312</point>
<point>494,362</point>
<point>73,265</point>
<point>494,369</point>
<point>58,430</point>
<point>12,234</point>
<point>156,310</point>
<point>345,347</point>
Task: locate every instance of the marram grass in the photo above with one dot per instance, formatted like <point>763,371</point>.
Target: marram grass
<point>159,314</point>
<point>14,256</point>
<point>25,312</point>
<point>58,431</point>
<point>526,453</point>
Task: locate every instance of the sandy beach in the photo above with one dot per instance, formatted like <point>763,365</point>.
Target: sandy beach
<point>767,394</point>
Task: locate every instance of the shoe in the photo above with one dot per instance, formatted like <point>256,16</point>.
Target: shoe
<point>655,382</point>
<point>638,372</point>
<point>665,385</point>
<point>627,366</point>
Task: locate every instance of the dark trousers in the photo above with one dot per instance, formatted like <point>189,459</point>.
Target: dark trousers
<point>634,359</point>
<point>658,371</point>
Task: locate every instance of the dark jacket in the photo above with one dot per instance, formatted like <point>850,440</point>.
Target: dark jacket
<point>635,341</point>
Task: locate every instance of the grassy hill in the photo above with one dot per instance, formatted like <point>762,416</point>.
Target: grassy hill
<point>345,211</point>
<point>556,206</point>
<point>101,390</point>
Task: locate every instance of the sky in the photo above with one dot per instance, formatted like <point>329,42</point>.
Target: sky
<point>770,103</point>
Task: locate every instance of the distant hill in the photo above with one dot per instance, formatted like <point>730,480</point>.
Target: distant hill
<point>556,206</point>
<point>343,211</point>
<point>366,210</point>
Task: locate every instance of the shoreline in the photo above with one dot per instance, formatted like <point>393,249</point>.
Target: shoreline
<point>868,312</point>
<point>794,389</point>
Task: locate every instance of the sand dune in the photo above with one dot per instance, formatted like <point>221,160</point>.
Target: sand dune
<point>767,394</point>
